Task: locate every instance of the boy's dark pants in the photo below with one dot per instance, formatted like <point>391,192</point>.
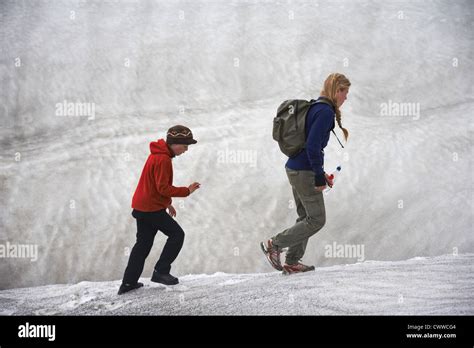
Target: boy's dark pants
<point>148,223</point>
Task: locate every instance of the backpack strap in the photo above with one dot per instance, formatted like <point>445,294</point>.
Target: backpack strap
<point>323,100</point>
<point>337,139</point>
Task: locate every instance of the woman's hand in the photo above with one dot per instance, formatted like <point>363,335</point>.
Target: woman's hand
<point>330,183</point>
<point>171,211</point>
<point>320,188</point>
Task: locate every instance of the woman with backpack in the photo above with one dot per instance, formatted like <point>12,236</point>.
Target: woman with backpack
<point>307,177</point>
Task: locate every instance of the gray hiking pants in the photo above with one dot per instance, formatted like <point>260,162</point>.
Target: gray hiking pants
<point>311,215</point>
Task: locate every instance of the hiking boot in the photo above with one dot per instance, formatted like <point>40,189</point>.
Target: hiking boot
<point>272,253</point>
<point>296,268</point>
<point>128,287</point>
<point>166,279</point>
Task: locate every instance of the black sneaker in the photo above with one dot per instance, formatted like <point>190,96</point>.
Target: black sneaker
<point>166,279</point>
<point>128,287</point>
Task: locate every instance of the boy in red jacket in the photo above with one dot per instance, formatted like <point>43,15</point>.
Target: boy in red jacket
<point>150,201</point>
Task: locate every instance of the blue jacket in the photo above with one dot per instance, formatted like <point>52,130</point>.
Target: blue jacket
<point>319,124</point>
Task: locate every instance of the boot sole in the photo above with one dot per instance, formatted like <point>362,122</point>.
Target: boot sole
<point>128,290</point>
<point>289,272</point>
<point>157,281</point>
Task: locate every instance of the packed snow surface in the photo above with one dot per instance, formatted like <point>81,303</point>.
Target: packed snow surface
<point>442,285</point>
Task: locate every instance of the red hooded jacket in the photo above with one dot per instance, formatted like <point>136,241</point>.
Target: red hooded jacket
<point>155,188</point>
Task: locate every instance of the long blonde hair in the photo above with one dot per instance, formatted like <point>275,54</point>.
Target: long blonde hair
<point>336,82</point>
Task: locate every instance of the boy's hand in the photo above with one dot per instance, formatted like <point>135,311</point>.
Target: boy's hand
<point>172,211</point>
<point>193,187</point>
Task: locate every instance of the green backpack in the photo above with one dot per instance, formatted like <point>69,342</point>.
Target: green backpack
<point>289,125</point>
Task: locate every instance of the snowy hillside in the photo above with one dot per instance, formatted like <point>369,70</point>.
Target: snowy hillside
<point>422,286</point>
<point>222,68</point>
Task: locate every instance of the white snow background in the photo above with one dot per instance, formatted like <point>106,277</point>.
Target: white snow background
<point>222,68</point>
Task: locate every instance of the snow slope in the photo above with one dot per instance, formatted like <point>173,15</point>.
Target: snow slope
<point>441,285</point>
<point>222,68</point>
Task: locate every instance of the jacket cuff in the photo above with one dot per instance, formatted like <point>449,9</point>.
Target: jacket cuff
<point>320,180</point>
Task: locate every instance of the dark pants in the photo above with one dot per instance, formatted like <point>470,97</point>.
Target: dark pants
<point>148,223</point>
